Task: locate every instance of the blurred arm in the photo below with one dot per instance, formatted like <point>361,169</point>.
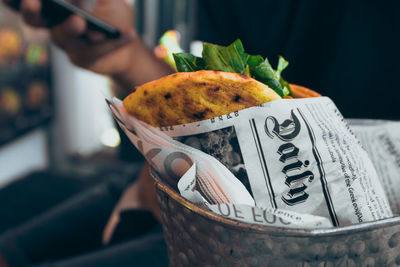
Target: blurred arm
<point>127,59</point>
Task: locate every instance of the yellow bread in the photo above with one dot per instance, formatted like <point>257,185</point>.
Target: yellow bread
<point>186,97</point>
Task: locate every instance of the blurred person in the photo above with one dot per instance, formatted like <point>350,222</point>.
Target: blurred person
<point>342,49</point>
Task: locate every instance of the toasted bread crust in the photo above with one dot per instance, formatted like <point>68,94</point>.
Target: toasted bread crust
<point>186,97</point>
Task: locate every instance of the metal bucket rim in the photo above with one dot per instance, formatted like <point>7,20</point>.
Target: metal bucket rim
<point>273,230</point>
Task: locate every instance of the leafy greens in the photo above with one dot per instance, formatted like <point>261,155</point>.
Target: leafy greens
<point>232,58</point>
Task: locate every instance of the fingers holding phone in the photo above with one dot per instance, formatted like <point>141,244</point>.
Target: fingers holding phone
<point>98,41</point>
<point>51,13</point>
<point>123,56</point>
<point>66,34</point>
<point>100,50</point>
<point>85,47</point>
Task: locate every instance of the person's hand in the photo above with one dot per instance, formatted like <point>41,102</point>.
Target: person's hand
<point>127,60</point>
<point>89,49</point>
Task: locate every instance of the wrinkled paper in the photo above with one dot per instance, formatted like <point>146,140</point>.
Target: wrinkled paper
<point>381,140</point>
<point>288,163</point>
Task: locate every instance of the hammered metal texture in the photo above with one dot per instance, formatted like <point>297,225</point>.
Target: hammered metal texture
<point>197,238</point>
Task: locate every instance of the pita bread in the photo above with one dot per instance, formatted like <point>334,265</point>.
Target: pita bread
<point>186,97</point>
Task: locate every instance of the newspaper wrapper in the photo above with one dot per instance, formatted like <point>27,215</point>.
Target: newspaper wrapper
<point>288,163</point>
<point>381,140</point>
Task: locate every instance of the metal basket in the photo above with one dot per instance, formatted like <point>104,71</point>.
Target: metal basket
<point>196,237</point>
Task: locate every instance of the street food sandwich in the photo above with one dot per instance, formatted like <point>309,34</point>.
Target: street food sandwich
<point>223,80</point>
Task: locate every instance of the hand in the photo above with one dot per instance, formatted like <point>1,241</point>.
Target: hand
<point>88,49</point>
<point>127,60</point>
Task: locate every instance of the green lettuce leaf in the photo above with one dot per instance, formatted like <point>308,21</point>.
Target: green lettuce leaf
<point>253,62</point>
<point>225,58</point>
<point>266,74</point>
<point>187,62</point>
<point>282,64</point>
<point>232,58</point>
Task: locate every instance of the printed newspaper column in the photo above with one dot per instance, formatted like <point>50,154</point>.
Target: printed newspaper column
<point>315,164</point>
<point>381,139</point>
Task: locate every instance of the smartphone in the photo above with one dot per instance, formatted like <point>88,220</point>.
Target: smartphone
<point>56,11</point>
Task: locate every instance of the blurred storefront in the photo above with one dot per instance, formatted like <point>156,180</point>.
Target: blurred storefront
<point>26,96</point>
